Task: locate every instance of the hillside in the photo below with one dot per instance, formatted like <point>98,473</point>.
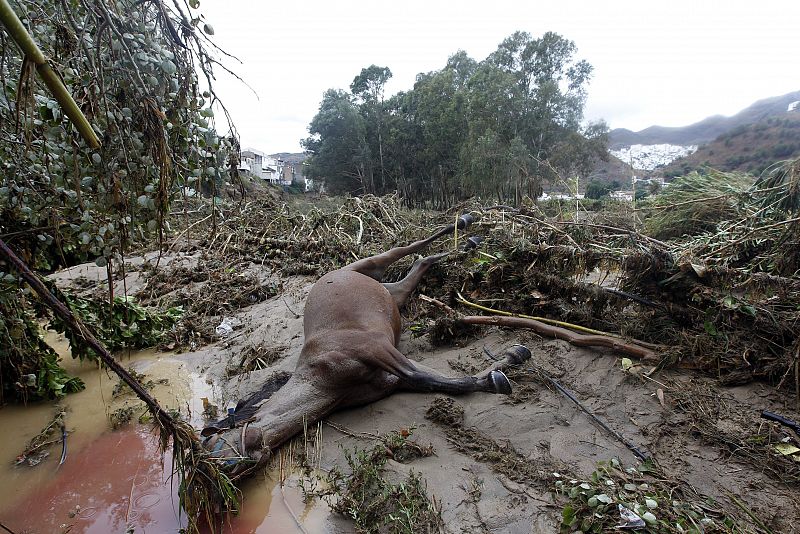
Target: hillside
<point>613,170</point>
<point>748,147</point>
<point>707,129</point>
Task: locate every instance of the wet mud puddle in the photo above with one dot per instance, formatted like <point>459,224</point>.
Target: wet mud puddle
<point>116,481</point>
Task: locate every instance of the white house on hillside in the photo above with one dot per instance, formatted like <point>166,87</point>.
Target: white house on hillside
<point>262,165</point>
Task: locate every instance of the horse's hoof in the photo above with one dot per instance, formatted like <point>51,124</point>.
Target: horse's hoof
<point>472,242</point>
<point>517,354</point>
<point>465,220</point>
<point>500,382</point>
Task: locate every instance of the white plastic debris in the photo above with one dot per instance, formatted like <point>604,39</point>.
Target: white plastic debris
<point>629,519</point>
<point>227,326</point>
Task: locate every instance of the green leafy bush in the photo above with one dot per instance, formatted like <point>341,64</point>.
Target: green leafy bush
<point>119,325</point>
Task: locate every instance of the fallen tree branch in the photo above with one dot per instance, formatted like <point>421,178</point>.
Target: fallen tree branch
<point>555,332</point>
<point>546,320</point>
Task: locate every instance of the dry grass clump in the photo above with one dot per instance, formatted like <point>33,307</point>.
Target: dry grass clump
<point>696,203</point>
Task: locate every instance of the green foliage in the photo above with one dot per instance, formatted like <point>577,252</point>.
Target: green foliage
<point>341,156</point>
<point>135,77</point>
<point>593,504</point>
<point>121,324</point>
<point>597,190</point>
<point>64,202</point>
<point>29,367</point>
<point>499,127</point>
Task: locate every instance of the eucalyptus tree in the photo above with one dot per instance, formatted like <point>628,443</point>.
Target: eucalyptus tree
<point>404,143</point>
<point>368,87</point>
<point>339,153</point>
<point>525,99</point>
<point>442,118</point>
<point>499,127</point>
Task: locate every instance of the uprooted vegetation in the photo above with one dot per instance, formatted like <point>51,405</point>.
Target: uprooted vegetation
<point>720,298</point>
<point>207,292</point>
<point>375,502</point>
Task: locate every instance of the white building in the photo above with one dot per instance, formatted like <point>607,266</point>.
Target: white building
<point>262,165</point>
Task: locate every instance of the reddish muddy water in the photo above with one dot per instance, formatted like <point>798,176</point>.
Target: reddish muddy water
<point>116,481</point>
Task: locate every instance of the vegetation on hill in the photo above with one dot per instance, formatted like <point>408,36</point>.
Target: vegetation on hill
<point>497,128</point>
<point>750,148</point>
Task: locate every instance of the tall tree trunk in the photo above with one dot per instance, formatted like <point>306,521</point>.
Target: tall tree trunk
<point>380,153</point>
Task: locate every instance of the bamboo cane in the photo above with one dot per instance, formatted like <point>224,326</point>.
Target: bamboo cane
<point>52,80</point>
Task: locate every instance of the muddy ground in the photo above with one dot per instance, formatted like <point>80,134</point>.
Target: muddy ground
<point>539,423</point>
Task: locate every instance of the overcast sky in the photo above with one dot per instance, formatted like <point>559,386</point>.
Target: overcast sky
<point>669,63</point>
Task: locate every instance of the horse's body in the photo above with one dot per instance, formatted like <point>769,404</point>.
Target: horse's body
<point>349,357</point>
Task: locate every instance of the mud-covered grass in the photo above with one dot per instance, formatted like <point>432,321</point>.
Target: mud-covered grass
<point>592,504</point>
<point>377,502</point>
<point>736,430</point>
<point>207,292</point>
<point>502,458</point>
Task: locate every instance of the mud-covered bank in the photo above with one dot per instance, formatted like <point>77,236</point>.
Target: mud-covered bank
<point>511,463</point>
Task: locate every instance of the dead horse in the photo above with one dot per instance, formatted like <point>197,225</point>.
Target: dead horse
<point>350,358</point>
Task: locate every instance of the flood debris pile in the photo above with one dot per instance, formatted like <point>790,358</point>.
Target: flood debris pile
<point>240,254</point>
<point>722,301</point>
<point>301,239</point>
<point>206,293</point>
<point>716,292</point>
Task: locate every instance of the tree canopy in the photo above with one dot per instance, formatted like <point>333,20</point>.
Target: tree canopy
<point>499,127</point>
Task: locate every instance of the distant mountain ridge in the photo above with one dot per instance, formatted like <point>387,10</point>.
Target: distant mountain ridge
<point>748,148</point>
<point>707,129</point>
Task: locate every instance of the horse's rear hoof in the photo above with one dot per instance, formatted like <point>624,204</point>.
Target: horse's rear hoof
<point>500,382</point>
<point>517,354</point>
<point>465,220</point>
<point>472,242</point>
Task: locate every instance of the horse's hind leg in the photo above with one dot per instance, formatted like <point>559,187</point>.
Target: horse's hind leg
<point>414,378</point>
<point>401,290</point>
<point>375,266</point>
